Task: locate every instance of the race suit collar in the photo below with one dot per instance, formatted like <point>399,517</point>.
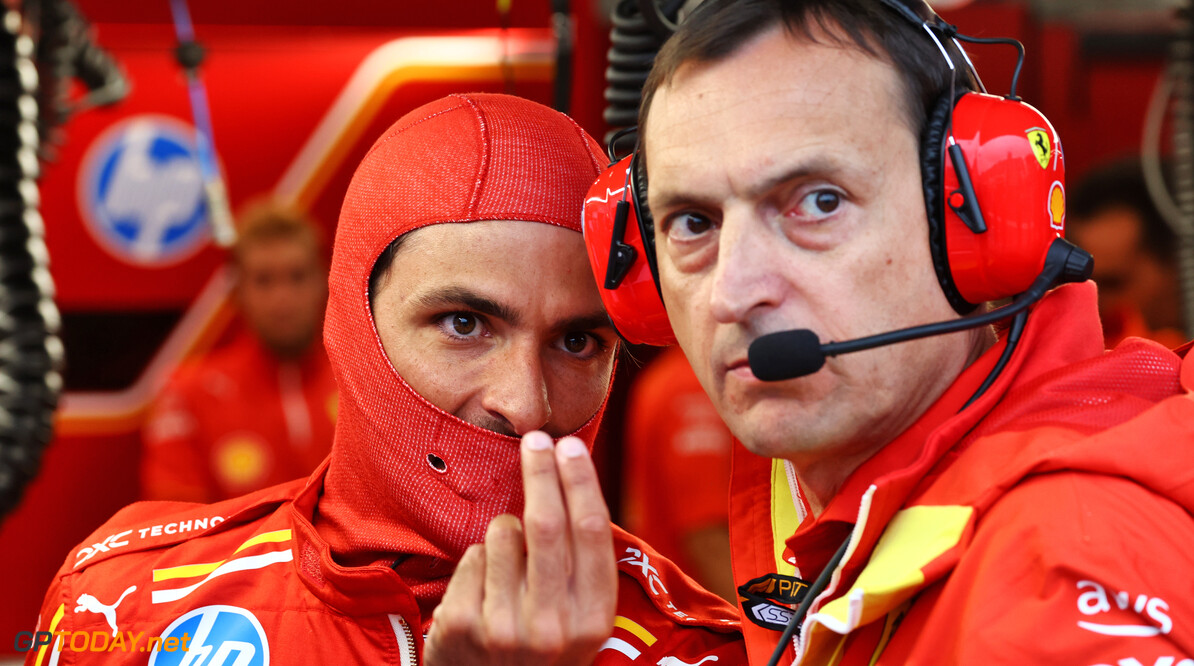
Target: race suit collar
<point>366,590</point>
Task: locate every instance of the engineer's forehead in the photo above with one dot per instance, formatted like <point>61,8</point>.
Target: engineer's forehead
<point>776,63</point>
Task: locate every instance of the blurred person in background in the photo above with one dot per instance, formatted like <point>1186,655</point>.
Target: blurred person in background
<point>259,410</point>
<point>673,437</point>
<point>1113,216</point>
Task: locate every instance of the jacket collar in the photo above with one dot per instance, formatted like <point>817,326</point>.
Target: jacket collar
<point>902,465</point>
<point>914,522</point>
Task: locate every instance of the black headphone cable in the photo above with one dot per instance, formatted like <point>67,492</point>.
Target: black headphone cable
<point>814,591</point>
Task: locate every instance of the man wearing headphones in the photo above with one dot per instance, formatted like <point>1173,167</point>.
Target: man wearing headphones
<point>954,494</point>
<point>460,317</point>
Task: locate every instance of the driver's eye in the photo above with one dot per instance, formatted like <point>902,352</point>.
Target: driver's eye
<point>464,323</point>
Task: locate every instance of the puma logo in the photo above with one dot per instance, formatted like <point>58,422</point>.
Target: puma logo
<point>92,605</point>
<point>672,661</point>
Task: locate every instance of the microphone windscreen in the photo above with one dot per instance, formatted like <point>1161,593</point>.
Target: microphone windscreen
<point>785,355</point>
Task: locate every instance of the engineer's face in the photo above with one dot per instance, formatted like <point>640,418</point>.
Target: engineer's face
<point>785,187</point>
<point>498,323</point>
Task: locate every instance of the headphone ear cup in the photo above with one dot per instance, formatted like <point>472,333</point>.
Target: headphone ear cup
<point>630,291</point>
<point>932,167</point>
<point>646,223</point>
<point>1012,159</point>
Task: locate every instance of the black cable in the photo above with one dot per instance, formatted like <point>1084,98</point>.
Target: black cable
<point>814,591</point>
<point>634,40</point>
<point>1013,339</point>
<point>818,586</point>
<point>1035,292</point>
<point>30,351</point>
<point>611,143</point>
<point>561,23</point>
<point>1000,40</point>
<point>660,15</point>
<point>1064,262</point>
<point>66,53</point>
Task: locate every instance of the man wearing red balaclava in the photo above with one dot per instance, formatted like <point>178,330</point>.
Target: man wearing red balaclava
<point>461,315</point>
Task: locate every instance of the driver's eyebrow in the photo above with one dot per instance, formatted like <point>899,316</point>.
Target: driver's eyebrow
<point>454,296</point>
<point>589,322</point>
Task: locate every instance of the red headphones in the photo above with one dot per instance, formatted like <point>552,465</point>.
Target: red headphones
<point>994,186</point>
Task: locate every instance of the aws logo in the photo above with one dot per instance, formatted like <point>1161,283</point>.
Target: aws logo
<point>1094,600</point>
<point>1160,661</point>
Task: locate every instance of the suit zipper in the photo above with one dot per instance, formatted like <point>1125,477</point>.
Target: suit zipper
<point>403,633</point>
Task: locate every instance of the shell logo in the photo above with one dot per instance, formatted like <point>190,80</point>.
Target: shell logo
<point>1057,206</point>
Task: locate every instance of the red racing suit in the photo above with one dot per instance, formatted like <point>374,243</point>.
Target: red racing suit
<point>248,582</point>
<point>238,420</point>
<point>1047,523</point>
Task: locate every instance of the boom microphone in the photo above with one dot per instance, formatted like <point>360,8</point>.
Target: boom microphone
<point>790,354</point>
<point>786,355</point>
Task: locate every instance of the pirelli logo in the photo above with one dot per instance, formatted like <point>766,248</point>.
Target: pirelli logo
<point>768,600</point>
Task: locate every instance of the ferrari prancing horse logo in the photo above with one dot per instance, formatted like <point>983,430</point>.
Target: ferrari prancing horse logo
<point>1042,147</point>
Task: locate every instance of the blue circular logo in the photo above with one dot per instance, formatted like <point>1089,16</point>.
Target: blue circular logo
<point>141,192</point>
<point>215,636</point>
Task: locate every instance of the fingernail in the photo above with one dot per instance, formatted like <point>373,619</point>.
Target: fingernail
<point>536,441</point>
<point>571,447</point>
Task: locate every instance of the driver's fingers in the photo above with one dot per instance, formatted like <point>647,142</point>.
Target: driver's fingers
<point>546,523</point>
<point>457,618</point>
<point>594,583</point>
<point>505,563</point>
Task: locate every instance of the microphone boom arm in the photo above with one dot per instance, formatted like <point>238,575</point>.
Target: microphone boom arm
<point>1033,294</point>
<point>1064,262</point>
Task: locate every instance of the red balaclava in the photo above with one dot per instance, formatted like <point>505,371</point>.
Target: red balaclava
<point>460,159</point>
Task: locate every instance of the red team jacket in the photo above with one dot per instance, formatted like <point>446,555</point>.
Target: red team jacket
<point>1047,523</point>
<point>248,582</point>
<point>673,436</point>
<point>238,420</point>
